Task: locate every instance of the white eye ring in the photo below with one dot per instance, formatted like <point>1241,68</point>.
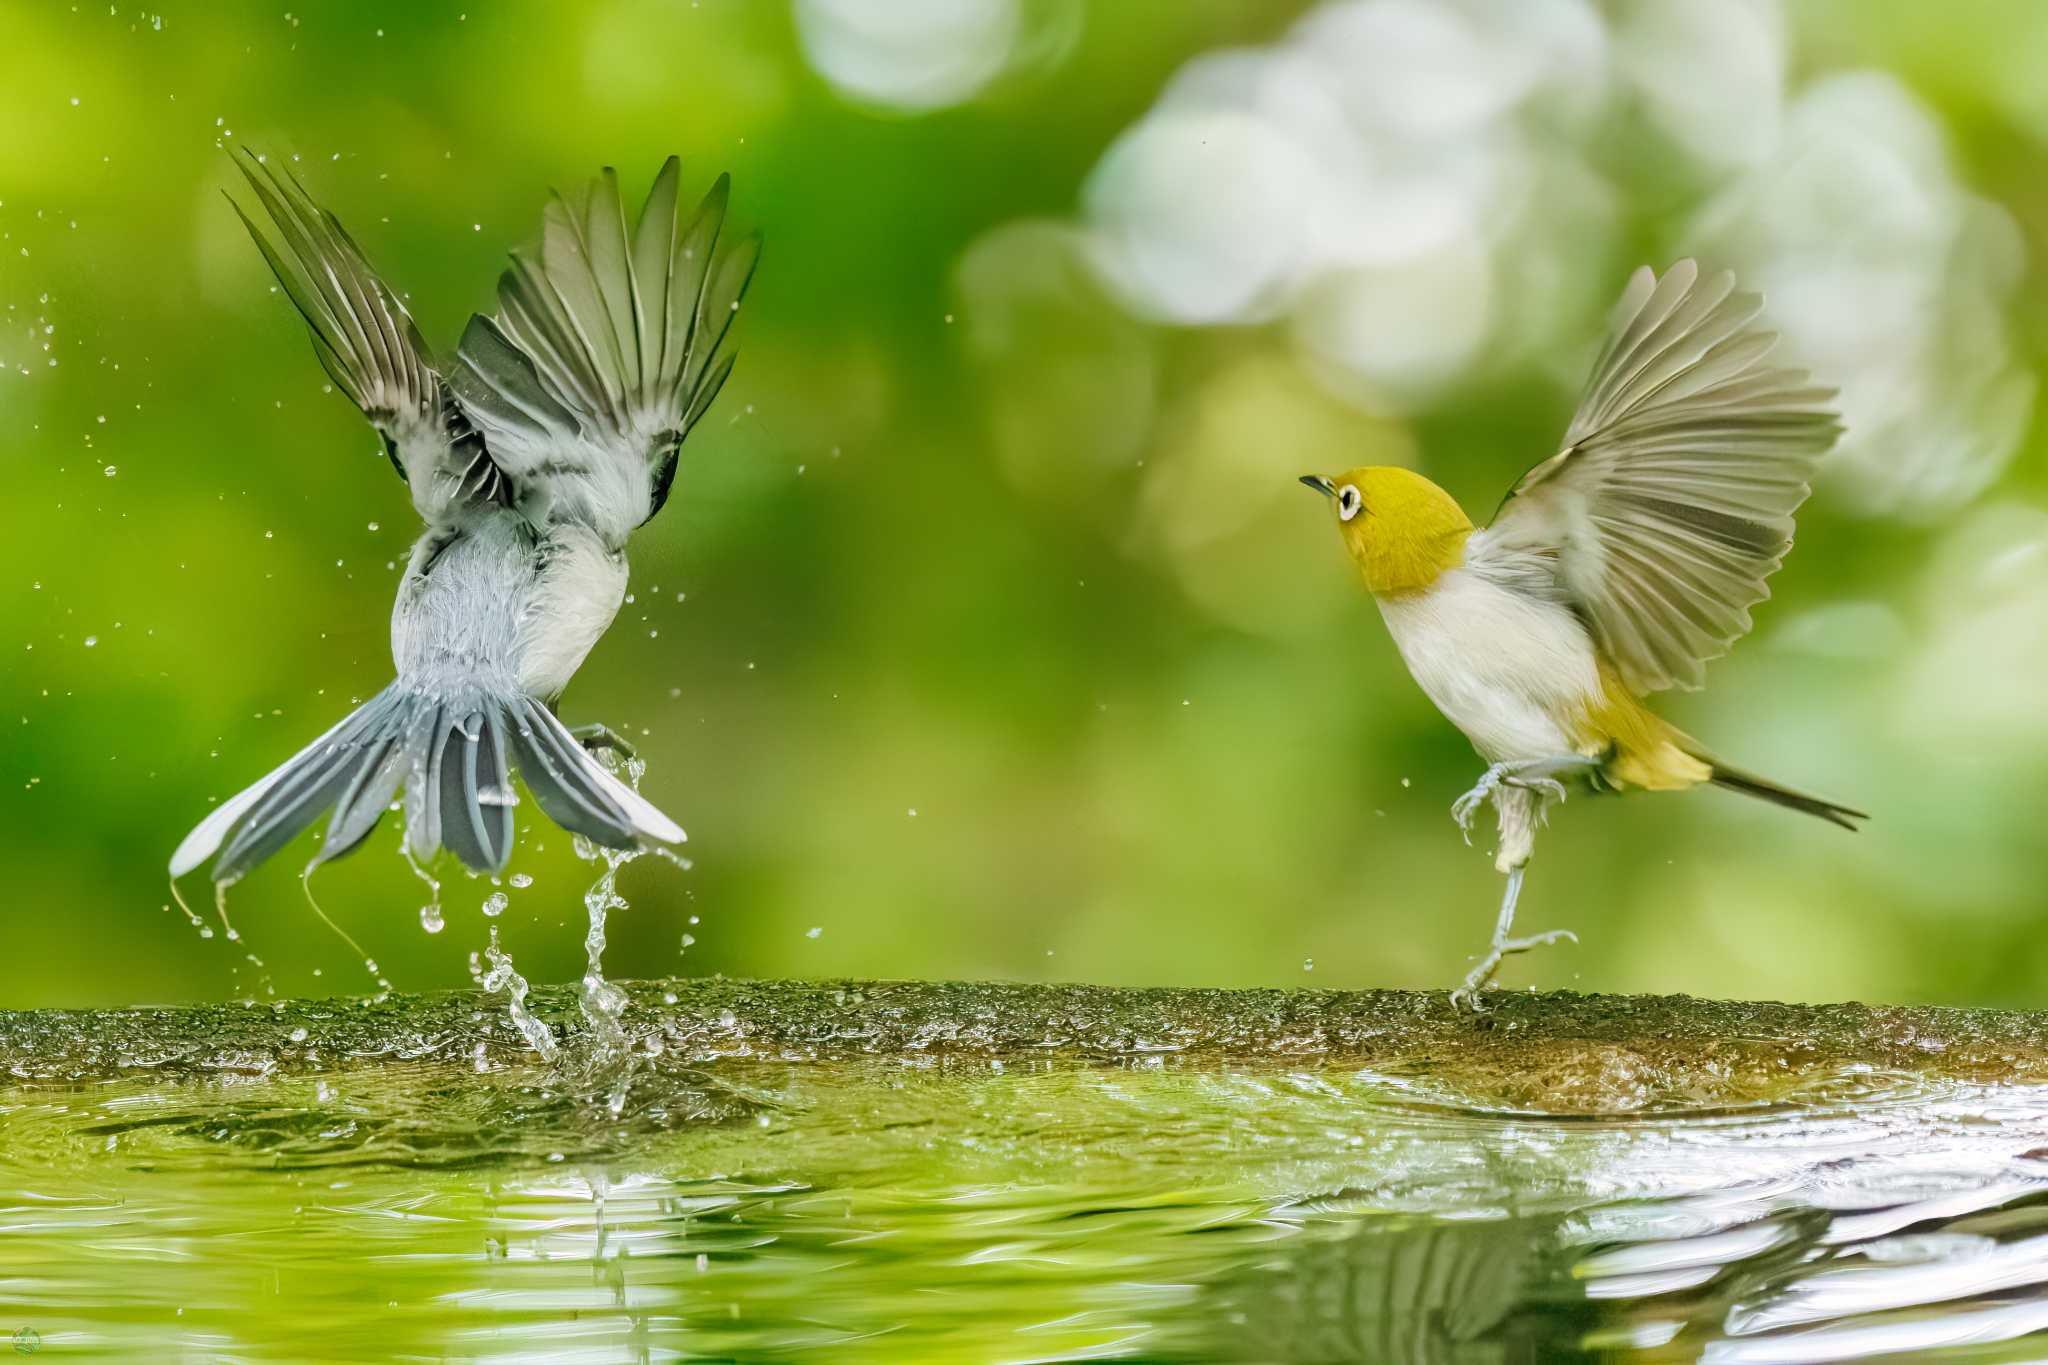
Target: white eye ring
<point>1348,502</point>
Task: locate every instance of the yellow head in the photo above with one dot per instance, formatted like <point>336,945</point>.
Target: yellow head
<point>1402,530</point>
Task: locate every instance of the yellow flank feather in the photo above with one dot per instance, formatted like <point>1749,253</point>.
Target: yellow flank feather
<point>1407,531</point>
<point>1641,749</point>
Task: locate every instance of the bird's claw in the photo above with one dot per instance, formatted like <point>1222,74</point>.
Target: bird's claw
<point>1467,998</point>
<point>1467,806</point>
<point>598,736</point>
<point>1470,995</point>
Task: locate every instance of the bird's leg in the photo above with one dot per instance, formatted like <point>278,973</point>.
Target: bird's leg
<point>598,735</point>
<point>1534,774</point>
<point>1520,807</point>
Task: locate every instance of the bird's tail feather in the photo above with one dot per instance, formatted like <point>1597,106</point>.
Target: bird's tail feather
<point>575,790</point>
<point>1734,779</point>
<point>451,753</point>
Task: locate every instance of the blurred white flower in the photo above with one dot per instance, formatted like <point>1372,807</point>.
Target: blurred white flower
<point>1199,216</point>
<point>912,55</point>
<point>1891,281</point>
<point>1405,328</point>
<point>1709,74</point>
<point>1367,175</point>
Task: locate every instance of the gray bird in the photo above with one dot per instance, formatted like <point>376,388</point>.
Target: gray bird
<point>531,458</point>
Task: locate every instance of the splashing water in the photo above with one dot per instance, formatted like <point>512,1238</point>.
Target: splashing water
<point>503,977</point>
<point>430,913</point>
<point>610,1058</point>
<point>603,1002</point>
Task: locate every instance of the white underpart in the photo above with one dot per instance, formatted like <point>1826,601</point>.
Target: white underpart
<point>571,607</point>
<point>1508,668</point>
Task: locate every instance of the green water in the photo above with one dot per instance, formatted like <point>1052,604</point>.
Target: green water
<point>960,1173</point>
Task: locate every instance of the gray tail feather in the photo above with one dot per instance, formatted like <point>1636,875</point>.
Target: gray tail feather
<point>1751,785</point>
<point>452,754</point>
<point>566,782</point>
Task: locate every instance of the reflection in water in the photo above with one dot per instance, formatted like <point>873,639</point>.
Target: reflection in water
<point>1891,1257</point>
<point>1423,1291</point>
<point>974,1209</point>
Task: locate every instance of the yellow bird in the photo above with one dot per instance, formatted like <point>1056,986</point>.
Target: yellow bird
<point>1614,569</point>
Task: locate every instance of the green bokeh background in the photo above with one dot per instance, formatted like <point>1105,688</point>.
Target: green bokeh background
<point>963,714</point>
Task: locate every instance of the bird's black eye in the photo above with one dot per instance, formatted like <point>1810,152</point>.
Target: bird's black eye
<point>1348,502</point>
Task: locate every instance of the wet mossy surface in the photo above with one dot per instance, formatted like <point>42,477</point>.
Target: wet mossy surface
<point>1559,1053</point>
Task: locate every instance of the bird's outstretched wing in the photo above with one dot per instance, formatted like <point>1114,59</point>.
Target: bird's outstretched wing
<point>369,346</point>
<point>1672,499</point>
<point>606,350</point>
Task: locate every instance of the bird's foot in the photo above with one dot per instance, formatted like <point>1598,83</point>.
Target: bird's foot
<point>598,736</point>
<point>1504,775</point>
<point>1467,806</point>
<point>1480,978</point>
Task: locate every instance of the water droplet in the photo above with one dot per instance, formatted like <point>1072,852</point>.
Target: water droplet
<point>495,903</point>
<point>91,640</point>
<point>521,881</point>
<point>689,940</point>
<point>111,470</point>
<point>298,1035</point>
<point>430,918</point>
<point>814,931</point>
<point>1308,964</point>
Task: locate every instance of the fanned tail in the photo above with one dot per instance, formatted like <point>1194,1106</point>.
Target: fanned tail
<point>451,753</point>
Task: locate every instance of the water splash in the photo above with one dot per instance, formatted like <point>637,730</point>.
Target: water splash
<point>234,935</point>
<point>430,913</point>
<point>603,1003</point>
<point>502,976</point>
<point>609,1059</point>
<point>369,963</point>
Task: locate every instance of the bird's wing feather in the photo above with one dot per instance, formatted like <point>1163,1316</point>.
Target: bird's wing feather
<point>1672,499</point>
<point>608,348</point>
<point>368,344</point>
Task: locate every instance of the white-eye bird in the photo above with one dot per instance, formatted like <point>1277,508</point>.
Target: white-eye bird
<point>532,457</point>
<point>1614,569</point>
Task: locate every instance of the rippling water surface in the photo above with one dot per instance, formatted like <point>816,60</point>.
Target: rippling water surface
<point>1011,1204</point>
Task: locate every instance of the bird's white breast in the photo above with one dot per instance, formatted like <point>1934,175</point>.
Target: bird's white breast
<point>570,607</point>
<point>1508,668</point>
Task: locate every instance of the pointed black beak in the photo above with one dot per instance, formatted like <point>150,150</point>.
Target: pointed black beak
<point>1320,484</point>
